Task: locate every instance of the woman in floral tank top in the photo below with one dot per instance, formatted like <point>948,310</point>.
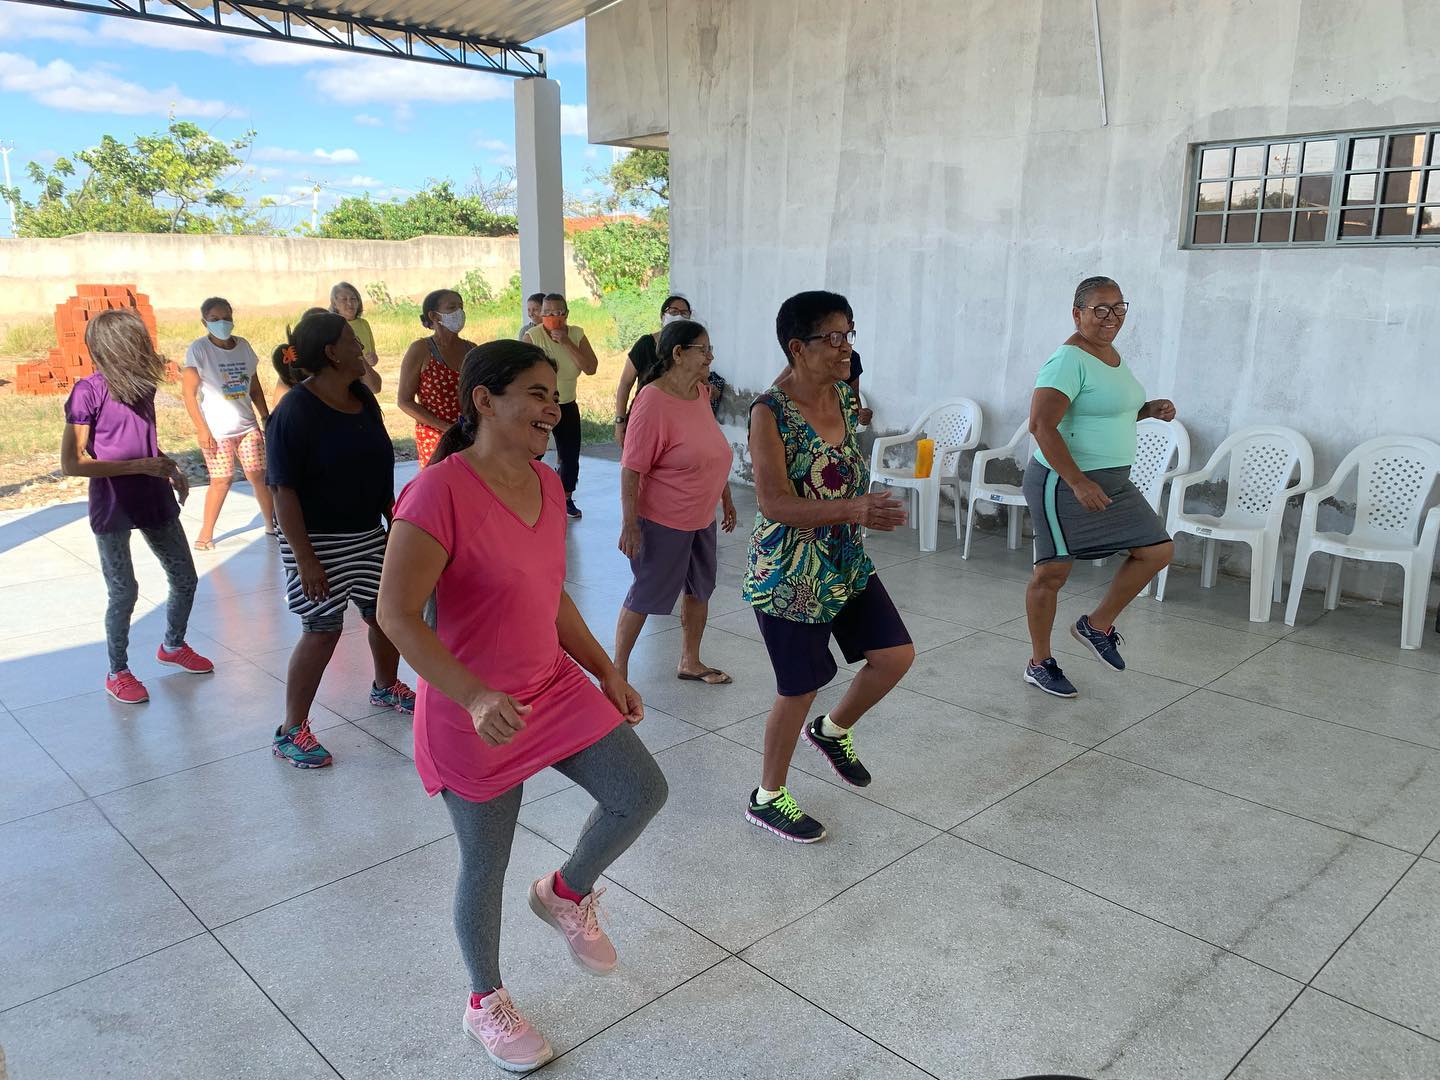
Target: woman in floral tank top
<point>429,385</point>
<point>808,577</point>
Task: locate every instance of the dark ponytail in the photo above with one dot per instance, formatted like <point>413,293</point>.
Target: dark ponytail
<point>311,336</point>
<point>494,365</point>
<point>676,335</point>
<point>280,361</point>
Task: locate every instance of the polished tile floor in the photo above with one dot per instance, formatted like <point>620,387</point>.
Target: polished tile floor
<point>1223,863</point>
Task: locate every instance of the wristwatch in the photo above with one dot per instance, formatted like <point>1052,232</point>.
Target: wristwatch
<point>622,419</point>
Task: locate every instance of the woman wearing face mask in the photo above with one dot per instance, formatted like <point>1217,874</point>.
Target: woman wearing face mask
<point>430,372</point>
<point>675,470</point>
<point>573,356</point>
<point>332,468</point>
<point>345,301</point>
<point>223,397</point>
<point>504,691</point>
<point>643,354</point>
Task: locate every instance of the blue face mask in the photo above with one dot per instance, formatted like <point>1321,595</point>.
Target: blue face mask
<point>220,329</point>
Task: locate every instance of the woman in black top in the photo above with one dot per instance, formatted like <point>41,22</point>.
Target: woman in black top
<point>644,356</point>
<point>330,462</point>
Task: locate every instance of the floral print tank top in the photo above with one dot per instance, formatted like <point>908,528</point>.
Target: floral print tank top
<point>808,575</point>
<point>439,391</point>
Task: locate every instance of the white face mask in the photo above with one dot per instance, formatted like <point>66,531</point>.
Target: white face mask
<point>670,317</point>
<point>454,321</point>
<point>220,329</point>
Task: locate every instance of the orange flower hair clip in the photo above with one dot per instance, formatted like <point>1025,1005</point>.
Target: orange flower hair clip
<point>289,355</point>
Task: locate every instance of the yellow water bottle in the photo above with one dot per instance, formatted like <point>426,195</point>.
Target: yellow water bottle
<point>924,457</point>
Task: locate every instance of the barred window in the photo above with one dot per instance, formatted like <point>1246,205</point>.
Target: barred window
<point>1363,187</point>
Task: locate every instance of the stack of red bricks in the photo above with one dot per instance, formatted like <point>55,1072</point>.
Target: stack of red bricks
<point>70,361</point>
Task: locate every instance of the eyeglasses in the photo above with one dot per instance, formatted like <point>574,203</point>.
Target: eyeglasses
<point>1104,311</point>
<point>684,313</point>
<point>708,350</point>
<point>835,338</point>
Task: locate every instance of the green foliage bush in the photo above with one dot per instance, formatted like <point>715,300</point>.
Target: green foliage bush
<point>623,254</point>
<point>474,289</point>
<point>381,300</point>
<point>635,311</point>
<point>435,211</point>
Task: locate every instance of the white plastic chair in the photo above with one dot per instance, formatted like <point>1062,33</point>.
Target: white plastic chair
<point>1157,444</point>
<point>1397,475</point>
<point>1006,495</point>
<point>1262,462</point>
<point>955,426</point>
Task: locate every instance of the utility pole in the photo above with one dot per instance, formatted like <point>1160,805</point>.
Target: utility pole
<point>5,148</point>
<point>315,210</point>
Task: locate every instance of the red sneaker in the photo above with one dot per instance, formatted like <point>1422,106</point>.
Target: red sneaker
<point>126,688</point>
<point>185,658</point>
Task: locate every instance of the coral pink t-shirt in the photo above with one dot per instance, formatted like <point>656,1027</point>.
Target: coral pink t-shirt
<point>496,604</point>
<point>682,456</point>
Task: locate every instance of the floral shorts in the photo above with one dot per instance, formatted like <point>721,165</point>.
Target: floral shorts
<point>249,448</point>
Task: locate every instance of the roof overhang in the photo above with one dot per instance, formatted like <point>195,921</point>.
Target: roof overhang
<point>485,35</point>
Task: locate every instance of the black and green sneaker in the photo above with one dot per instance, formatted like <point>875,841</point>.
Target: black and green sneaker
<point>783,816</point>
<point>840,752</point>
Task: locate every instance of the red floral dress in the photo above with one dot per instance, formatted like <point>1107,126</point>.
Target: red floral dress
<point>440,393</point>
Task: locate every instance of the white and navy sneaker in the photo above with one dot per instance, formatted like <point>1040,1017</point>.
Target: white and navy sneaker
<point>1102,644</point>
<point>1048,677</point>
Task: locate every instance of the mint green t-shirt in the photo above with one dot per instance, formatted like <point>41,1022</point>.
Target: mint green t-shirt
<point>1099,425</point>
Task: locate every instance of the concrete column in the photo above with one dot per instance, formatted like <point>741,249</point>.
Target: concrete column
<point>540,191</point>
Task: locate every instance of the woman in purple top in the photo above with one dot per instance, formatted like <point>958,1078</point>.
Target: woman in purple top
<point>110,437</point>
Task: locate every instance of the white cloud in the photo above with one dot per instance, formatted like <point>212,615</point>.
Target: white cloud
<point>359,181</point>
<point>177,38</point>
<point>361,80</point>
<point>343,156</point>
<point>20,21</point>
<point>496,146</point>
<point>61,85</point>
<point>574,121</point>
<point>366,120</point>
<point>592,153</point>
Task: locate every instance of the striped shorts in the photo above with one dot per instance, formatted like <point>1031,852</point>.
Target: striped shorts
<point>352,563</point>
<point>1065,530</point>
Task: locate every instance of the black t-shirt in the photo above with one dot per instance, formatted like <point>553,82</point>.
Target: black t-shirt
<point>643,354</point>
<point>340,465</point>
<point>856,369</point>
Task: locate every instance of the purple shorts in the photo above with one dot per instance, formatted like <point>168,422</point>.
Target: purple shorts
<point>671,560</point>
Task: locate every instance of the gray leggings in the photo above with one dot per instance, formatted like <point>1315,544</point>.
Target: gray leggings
<point>173,550</point>
<point>629,789</point>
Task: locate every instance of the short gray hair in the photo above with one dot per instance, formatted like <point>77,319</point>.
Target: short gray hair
<point>1090,286</point>
<point>345,285</point>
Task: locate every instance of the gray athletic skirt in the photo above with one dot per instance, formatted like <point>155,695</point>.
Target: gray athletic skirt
<point>1065,530</point>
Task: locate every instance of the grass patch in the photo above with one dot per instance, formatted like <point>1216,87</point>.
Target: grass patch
<point>30,427</point>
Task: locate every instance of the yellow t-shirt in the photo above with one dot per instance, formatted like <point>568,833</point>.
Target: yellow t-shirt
<point>365,334</point>
<point>567,371</point>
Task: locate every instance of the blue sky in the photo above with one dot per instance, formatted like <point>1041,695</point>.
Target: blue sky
<point>352,124</point>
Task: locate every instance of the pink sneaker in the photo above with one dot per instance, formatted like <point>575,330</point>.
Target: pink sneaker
<point>185,658</point>
<point>580,924</point>
<point>506,1035</point>
<point>126,688</point>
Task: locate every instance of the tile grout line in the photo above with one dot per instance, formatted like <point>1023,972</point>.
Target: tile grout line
<point>106,971</point>
<point>1324,720</point>
<point>1371,1012</point>
<point>1268,1028</point>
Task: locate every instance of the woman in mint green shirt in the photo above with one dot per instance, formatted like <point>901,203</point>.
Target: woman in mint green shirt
<point>1082,503</point>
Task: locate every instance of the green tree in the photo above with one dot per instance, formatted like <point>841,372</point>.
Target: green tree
<point>622,255</point>
<point>177,180</point>
<point>640,181</point>
<point>434,211</point>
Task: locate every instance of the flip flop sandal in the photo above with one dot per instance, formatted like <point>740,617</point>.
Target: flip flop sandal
<point>703,676</point>
<point>204,545</point>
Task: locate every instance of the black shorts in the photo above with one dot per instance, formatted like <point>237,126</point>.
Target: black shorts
<point>800,652</point>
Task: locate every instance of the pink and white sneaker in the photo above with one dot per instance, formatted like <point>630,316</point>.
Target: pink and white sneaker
<point>126,688</point>
<point>185,658</point>
<point>580,923</point>
<point>506,1035</point>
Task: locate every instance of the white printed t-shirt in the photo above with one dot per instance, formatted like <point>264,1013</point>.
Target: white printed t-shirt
<point>225,376</point>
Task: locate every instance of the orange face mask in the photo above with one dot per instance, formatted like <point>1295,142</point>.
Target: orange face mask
<point>552,322</point>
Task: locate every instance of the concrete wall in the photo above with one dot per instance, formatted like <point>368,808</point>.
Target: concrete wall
<point>944,165</point>
<point>252,271</point>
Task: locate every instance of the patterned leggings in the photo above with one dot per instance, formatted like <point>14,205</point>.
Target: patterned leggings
<point>171,548</point>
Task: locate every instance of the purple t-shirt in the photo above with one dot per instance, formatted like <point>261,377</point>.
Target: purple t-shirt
<point>120,432</point>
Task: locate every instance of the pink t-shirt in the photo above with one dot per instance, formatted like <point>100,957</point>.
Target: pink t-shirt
<point>682,456</point>
<point>496,603</point>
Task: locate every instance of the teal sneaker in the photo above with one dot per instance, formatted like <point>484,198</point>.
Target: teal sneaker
<point>300,748</point>
<point>398,697</point>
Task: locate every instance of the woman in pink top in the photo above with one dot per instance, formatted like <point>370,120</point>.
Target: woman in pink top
<point>502,693</point>
<point>674,472</point>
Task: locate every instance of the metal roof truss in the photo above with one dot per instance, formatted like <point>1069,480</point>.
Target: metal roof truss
<point>273,20</point>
